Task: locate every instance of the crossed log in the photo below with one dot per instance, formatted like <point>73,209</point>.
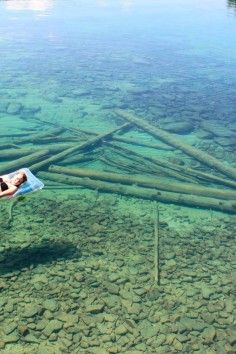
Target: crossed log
<point>172,140</point>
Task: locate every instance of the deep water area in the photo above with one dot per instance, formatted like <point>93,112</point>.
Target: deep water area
<point>130,246</point>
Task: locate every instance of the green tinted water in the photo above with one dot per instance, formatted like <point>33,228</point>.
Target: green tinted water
<point>78,266</point>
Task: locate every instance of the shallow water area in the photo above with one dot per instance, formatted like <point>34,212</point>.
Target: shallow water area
<point>78,265</point>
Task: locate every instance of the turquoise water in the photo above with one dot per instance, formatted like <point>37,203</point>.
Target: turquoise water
<point>137,270</point>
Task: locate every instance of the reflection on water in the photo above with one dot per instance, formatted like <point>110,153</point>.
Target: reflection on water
<point>33,5</point>
<point>124,4</point>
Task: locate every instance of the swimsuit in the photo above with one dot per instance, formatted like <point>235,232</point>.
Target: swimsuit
<point>3,185</point>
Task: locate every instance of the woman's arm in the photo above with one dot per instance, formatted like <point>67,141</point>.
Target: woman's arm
<point>9,191</point>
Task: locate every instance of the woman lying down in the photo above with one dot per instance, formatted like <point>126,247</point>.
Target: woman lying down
<point>9,185</point>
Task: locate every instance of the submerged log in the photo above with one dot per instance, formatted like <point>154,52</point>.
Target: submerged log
<point>174,141</point>
<point>185,173</point>
<point>23,161</point>
<point>144,193</point>
<point>79,158</point>
<point>14,154</point>
<point>119,157</point>
<point>159,166</point>
<point>19,152</point>
<point>129,166</point>
<point>87,144</point>
<point>185,188</point>
<point>38,137</point>
<point>9,146</point>
<point>140,143</point>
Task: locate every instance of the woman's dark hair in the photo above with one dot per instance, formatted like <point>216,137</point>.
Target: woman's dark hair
<point>24,177</point>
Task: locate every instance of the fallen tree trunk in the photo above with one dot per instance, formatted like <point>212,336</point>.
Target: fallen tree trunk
<point>185,188</point>
<point>144,193</point>
<point>185,172</point>
<point>9,146</point>
<point>51,134</point>
<point>89,143</point>
<point>14,154</point>
<point>159,166</point>
<point>79,159</point>
<point>129,167</point>
<point>140,143</point>
<point>19,152</point>
<point>178,144</point>
<point>23,161</point>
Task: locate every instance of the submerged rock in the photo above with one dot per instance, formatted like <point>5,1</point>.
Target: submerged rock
<point>226,141</point>
<point>95,308</point>
<point>30,310</point>
<point>50,305</point>
<point>14,108</point>
<point>209,334</point>
<point>148,330</point>
<point>216,129</point>
<point>178,127</point>
<point>52,327</point>
<point>52,97</point>
<point>3,106</point>
<point>207,292</point>
<point>30,110</point>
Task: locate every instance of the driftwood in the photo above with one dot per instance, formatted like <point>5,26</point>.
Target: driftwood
<point>23,161</point>
<point>157,245</point>
<point>87,144</point>
<point>57,139</point>
<point>144,193</point>
<point>74,130</point>
<point>9,146</point>
<point>17,134</point>
<point>19,152</point>
<point>130,166</point>
<point>185,188</point>
<point>158,166</point>
<point>187,171</point>
<point>140,143</point>
<point>208,177</point>
<point>136,162</point>
<point>15,154</point>
<point>174,141</point>
<point>79,158</point>
<point>37,137</point>
<point>187,174</point>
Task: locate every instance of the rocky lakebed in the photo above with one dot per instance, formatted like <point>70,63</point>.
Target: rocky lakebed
<point>77,276</point>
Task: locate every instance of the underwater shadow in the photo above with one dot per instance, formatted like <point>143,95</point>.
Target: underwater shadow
<point>16,259</point>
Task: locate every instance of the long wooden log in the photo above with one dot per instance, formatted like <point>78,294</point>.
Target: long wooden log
<point>17,153</point>
<point>185,188</point>
<point>129,167</point>
<point>134,162</point>
<point>174,141</point>
<point>140,143</point>
<point>79,159</point>
<point>89,143</point>
<point>9,146</point>
<point>38,137</point>
<point>159,166</point>
<point>14,154</point>
<point>23,161</point>
<point>187,172</point>
<point>144,193</point>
